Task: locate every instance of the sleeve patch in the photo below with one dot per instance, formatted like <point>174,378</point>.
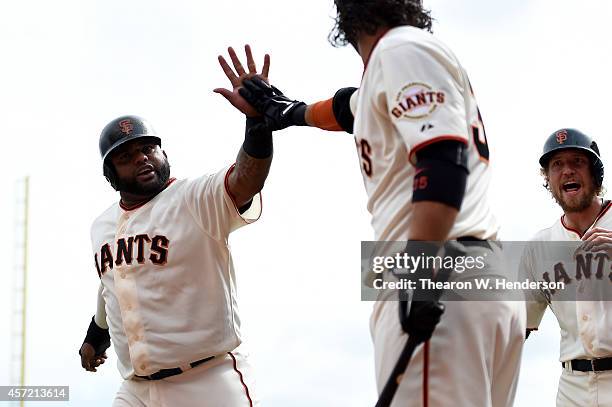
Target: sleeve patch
<point>417,101</point>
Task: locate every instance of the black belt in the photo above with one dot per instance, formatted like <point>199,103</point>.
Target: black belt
<point>474,241</point>
<point>162,374</point>
<point>590,365</point>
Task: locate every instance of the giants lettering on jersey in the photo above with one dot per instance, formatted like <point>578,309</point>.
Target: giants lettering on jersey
<point>132,248</point>
<point>587,266</point>
<point>417,100</point>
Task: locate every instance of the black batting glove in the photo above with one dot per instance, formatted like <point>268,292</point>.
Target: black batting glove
<point>278,110</point>
<point>422,318</point>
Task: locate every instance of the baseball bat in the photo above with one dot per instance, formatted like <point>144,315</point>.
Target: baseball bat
<point>386,397</point>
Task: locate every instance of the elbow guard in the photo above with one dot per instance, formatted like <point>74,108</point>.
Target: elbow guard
<point>341,106</point>
<point>441,173</point>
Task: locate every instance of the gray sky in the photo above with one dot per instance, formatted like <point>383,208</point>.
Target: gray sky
<point>71,66</point>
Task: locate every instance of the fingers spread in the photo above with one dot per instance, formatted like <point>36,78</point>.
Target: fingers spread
<point>266,67</point>
<point>228,72</point>
<point>250,61</point>
<point>237,65</point>
<point>226,93</point>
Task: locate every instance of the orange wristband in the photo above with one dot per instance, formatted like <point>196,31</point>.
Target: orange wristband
<point>322,115</point>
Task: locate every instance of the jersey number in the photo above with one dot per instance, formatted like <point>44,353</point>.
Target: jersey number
<point>480,138</point>
<point>366,152</point>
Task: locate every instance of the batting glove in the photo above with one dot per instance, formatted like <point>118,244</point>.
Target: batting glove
<point>278,110</point>
<point>422,318</point>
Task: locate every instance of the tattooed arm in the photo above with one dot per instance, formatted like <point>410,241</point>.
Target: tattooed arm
<point>252,164</point>
<point>254,158</point>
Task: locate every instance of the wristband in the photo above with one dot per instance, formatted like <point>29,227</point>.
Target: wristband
<point>257,138</point>
<point>97,337</point>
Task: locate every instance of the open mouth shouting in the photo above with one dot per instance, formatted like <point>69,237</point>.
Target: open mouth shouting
<point>571,187</point>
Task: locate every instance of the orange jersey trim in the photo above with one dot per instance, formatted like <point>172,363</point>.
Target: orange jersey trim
<point>229,193</point>
<point>569,228</point>
<point>246,388</point>
<point>322,115</point>
<point>226,184</point>
<point>601,214</point>
<point>424,144</point>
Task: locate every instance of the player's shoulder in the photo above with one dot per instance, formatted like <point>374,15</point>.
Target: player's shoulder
<point>208,184</point>
<point>550,233</point>
<point>406,38</point>
<point>109,215</point>
<point>203,179</point>
<point>605,219</point>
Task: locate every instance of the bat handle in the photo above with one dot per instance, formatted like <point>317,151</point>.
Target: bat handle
<point>386,396</point>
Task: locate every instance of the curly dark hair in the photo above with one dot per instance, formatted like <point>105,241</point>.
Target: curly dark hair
<point>355,17</point>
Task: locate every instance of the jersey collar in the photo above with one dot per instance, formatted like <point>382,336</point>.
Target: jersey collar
<point>604,208</point>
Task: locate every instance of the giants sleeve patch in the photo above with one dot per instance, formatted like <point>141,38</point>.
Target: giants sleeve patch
<point>417,101</point>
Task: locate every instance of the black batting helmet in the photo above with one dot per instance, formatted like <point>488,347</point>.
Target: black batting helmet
<point>120,131</point>
<point>572,138</point>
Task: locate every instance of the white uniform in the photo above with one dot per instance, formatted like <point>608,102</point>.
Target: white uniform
<point>170,294</point>
<point>585,324</point>
<point>414,92</point>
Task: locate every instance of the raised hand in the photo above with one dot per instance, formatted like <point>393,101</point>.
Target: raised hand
<point>237,75</point>
<point>279,110</point>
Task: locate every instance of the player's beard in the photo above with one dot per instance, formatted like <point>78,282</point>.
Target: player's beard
<point>575,204</point>
<point>134,187</point>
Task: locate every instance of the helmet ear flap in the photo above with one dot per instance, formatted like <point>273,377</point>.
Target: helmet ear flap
<point>598,171</point>
<point>111,175</point>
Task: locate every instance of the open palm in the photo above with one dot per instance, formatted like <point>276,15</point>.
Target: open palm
<point>236,77</point>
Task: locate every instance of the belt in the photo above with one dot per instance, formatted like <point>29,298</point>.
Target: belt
<point>589,365</point>
<point>162,374</point>
<point>474,241</point>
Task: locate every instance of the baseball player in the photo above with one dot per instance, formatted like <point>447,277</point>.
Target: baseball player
<point>168,294</point>
<point>573,172</point>
<point>425,163</point>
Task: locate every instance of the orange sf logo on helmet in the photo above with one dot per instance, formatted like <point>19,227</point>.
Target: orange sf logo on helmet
<point>561,136</point>
<point>126,126</point>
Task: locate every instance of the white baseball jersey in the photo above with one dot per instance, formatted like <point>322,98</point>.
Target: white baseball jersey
<point>167,275</point>
<point>413,93</point>
<point>585,325</point>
